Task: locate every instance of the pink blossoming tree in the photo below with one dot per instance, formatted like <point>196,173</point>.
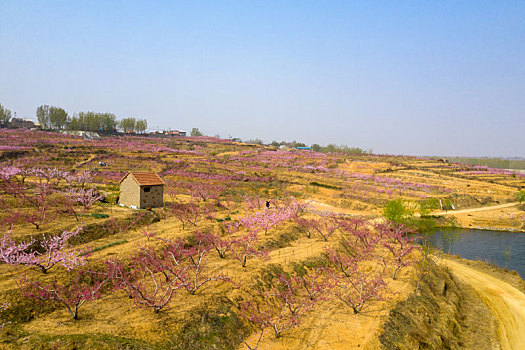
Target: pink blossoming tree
<point>84,286</point>
<point>53,250</point>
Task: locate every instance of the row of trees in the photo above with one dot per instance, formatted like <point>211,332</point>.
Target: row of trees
<point>91,121</point>
<point>332,148</point>
<point>52,117</point>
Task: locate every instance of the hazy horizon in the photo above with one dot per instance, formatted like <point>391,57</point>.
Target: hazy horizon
<point>433,78</point>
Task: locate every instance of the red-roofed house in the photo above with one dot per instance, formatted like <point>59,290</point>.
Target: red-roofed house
<point>142,190</point>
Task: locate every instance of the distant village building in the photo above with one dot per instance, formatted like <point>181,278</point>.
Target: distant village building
<point>165,133</point>
<point>87,135</point>
<point>23,123</point>
<point>142,190</point>
<point>176,133</point>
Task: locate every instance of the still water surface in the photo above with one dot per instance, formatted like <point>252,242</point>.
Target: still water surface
<point>485,245</point>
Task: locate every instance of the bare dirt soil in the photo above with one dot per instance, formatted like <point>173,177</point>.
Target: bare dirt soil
<point>505,302</point>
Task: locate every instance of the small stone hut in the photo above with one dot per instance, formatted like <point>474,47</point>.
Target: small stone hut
<point>142,189</point>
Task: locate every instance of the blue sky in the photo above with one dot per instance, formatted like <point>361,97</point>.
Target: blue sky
<point>407,77</point>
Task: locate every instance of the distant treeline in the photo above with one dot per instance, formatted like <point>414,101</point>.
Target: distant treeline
<point>51,117</point>
<point>498,163</point>
<point>331,148</point>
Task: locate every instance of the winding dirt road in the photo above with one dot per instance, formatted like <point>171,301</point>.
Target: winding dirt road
<point>505,302</point>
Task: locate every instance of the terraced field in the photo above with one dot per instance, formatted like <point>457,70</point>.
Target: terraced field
<point>219,187</point>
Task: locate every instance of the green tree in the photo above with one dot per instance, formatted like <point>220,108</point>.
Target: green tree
<point>520,196</point>
<point>256,141</point>
<point>73,123</point>
<point>332,148</point>
<point>141,125</point>
<point>399,211</point>
<point>196,132</point>
<point>88,121</point>
<point>447,204</point>
<point>42,114</point>
<point>450,236</point>
<point>426,206</point>
<point>57,117</point>
<point>92,121</point>
<point>128,124</point>
<point>5,115</point>
<point>506,254</point>
<point>298,144</point>
<point>108,122</point>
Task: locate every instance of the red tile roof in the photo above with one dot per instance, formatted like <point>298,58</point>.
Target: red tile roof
<point>145,178</point>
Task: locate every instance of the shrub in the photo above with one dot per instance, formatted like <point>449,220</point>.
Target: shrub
<point>315,183</point>
<point>398,211</point>
<point>520,196</point>
<point>100,216</point>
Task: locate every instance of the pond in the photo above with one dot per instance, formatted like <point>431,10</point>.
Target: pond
<point>484,245</point>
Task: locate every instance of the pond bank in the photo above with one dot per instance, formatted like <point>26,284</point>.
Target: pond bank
<point>484,228</point>
<point>500,248</point>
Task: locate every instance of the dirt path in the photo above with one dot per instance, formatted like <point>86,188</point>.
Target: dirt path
<point>472,210</point>
<point>505,302</point>
<point>91,157</point>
